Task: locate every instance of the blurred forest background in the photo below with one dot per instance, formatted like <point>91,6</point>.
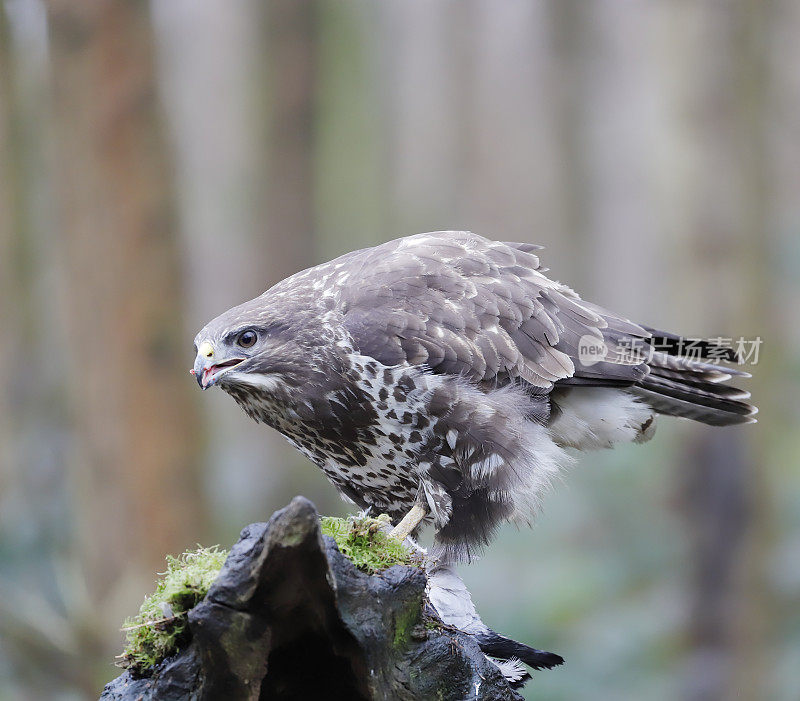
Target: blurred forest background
<point>162,161</point>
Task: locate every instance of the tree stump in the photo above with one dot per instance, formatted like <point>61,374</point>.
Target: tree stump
<point>289,617</point>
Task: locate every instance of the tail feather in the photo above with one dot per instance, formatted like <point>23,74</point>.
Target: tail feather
<point>708,349</point>
<point>688,387</point>
<point>672,374</point>
<point>697,390</point>
<point>689,410</point>
<point>701,377</point>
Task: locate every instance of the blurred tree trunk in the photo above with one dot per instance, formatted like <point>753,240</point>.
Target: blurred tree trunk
<point>136,426</point>
<point>427,73</point>
<point>291,50</point>
<point>23,268</point>
<point>351,130</point>
<point>568,24</point>
<point>722,217</point>
<point>32,422</point>
<point>9,301</point>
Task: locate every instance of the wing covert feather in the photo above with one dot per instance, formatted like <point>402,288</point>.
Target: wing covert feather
<point>465,305</point>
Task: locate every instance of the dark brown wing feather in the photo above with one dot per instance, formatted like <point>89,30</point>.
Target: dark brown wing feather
<point>469,306</point>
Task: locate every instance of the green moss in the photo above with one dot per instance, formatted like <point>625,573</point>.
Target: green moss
<point>404,621</point>
<point>160,628</point>
<point>366,545</point>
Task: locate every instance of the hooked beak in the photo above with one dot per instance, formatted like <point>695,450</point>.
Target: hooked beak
<point>208,368</point>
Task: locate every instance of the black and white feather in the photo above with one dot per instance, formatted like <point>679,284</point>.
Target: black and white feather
<point>450,599</point>
<point>446,368</point>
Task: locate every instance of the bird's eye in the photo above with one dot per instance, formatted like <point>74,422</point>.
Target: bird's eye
<point>246,339</point>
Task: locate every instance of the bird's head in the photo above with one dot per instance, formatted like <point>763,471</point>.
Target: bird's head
<point>251,345</point>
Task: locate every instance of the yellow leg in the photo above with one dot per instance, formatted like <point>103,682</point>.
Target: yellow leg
<point>409,522</point>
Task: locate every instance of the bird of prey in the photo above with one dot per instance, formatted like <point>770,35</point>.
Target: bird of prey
<point>442,377</point>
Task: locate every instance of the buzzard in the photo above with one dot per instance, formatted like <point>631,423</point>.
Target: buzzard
<point>443,377</point>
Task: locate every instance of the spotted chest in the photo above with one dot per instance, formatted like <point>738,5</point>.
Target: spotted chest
<point>370,435</point>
